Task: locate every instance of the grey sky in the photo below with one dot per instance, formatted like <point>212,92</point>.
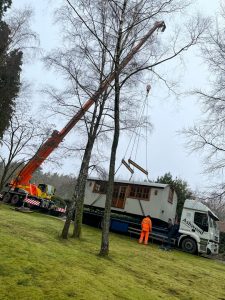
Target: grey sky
<point>166,151</point>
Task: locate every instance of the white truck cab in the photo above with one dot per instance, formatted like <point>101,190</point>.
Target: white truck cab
<point>198,229</point>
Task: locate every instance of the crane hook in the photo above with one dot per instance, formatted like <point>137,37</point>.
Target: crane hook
<point>148,88</point>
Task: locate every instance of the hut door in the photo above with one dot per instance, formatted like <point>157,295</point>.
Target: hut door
<point>119,196</point>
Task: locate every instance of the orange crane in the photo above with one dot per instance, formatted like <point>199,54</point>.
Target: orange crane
<point>22,182</point>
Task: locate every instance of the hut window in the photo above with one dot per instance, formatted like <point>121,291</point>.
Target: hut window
<point>170,196</point>
<point>99,187</point>
<point>156,192</point>
<point>139,192</point>
<point>115,191</point>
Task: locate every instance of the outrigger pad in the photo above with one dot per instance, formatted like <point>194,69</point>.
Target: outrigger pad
<point>23,209</point>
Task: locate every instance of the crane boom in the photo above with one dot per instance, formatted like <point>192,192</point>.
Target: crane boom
<point>56,138</point>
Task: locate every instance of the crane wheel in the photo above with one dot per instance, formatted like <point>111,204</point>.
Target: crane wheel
<point>6,198</point>
<point>15,199</point>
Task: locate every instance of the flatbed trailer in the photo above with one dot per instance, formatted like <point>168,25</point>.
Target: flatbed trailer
<point>197,233</point>
<point>126,225</point>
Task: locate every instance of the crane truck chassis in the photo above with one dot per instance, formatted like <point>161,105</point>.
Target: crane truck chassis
<point>21,198</point>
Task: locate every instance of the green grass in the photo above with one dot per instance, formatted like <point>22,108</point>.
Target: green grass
<point>36,264</point>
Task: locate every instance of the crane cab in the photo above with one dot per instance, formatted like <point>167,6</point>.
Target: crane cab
<point>46,191</point>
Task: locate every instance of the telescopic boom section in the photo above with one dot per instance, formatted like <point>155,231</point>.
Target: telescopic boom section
<point>56,138</point>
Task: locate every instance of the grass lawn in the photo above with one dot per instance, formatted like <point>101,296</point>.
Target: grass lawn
<point>36,264</point>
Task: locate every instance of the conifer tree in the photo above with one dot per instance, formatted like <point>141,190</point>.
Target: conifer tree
<point>10,68</point>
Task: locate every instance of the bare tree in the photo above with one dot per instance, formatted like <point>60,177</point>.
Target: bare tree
<point>215,200</point>
<point>94,123</point>
<point>20,141</point>
<point>22,37</point>
<point>207,137</point>
<point>98,27</point>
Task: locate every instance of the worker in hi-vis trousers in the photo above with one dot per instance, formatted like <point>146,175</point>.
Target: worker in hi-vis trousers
<point>146,228</point>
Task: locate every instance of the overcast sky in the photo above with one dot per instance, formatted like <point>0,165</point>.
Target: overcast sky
<point>166,149</point>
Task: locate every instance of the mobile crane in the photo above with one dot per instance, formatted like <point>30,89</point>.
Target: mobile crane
<point>21,190</point>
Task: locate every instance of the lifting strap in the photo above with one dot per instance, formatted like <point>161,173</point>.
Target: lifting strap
<point>136,136</point>
<point>142,210</point>
<point>137,166</point>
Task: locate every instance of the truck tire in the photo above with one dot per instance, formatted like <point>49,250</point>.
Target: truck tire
<point>189,245</point>
<point>15,199</point>
<point>7,198</point>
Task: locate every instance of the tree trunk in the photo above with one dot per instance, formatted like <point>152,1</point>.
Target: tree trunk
<point>2,181</point>
<point>66,226</point>
<point>80,187</point>
<point>104,251</point>
<point>4,175</point>
<point>81,190</point>
<point>78,196</point>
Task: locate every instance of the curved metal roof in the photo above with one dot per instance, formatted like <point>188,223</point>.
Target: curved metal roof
<point>144,183</point>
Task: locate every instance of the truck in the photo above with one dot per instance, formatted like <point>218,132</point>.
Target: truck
<point>132,200</point>
<point>24,196</point>
<point>20,190</point>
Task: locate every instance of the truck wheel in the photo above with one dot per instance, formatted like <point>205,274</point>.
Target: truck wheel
<point>189,245</point>
<point>15,199</point>
<point>7,198</point>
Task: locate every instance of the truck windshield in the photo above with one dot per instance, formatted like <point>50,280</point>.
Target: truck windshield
<point>201,220</point>
<point>215,225</point>
<point>50,190</point>
<point>212,223</point>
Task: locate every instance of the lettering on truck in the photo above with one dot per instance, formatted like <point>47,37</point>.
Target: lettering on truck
<point>192,226</point>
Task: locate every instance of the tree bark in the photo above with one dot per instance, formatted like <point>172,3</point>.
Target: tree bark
<point>81,189</point>
<point>66,226</point>
<point>106,218</point>
<point>77,201</point>
<point>104,251</point>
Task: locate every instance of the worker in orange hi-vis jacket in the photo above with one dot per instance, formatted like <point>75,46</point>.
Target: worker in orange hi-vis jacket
<point>146,228</point>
